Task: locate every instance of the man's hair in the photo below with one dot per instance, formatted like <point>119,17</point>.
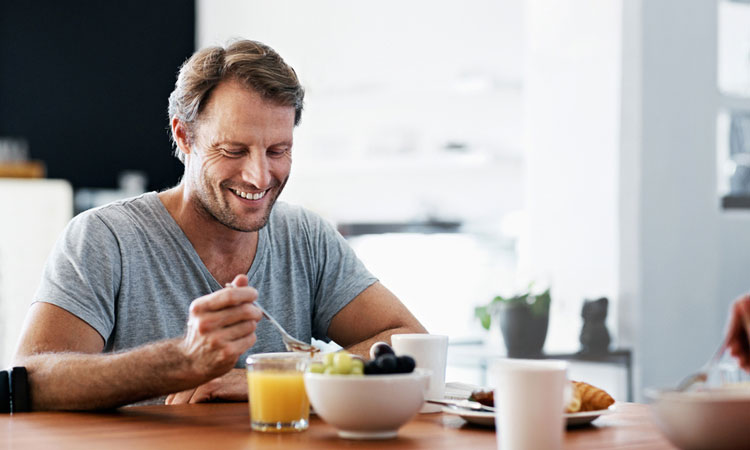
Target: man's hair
<point>253,64</point>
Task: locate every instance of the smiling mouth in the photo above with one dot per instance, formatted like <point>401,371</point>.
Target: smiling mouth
<point>249,195</point>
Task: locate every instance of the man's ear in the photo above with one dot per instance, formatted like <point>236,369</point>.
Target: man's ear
<point>180,134</point>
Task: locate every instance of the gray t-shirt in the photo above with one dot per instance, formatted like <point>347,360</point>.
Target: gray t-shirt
<point>129,271</point>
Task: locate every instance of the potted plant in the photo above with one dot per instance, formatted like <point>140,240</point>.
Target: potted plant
<point>523,321</point>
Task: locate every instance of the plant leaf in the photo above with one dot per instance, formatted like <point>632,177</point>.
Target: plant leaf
<point>484,316</point>
<point>540,306</point>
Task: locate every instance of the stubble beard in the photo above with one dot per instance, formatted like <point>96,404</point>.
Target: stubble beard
<point>216,207</point>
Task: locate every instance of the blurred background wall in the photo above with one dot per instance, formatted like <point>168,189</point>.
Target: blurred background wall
<point>85,83</point>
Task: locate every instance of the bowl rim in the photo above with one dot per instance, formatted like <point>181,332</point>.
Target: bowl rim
<point>712,395</point>
<point>417,373</point>
<point>278,356</point>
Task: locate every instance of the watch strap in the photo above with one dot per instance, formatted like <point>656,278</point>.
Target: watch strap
<point>20,400</point>
<point>4,392</point>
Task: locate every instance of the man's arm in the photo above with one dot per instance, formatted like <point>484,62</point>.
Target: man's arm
<point>374,315</point>
<point>67,371</point>
<point>737,338</point>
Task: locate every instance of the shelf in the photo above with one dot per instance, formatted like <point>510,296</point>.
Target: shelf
<point>426,227</point>
<point>735,201</point>
<point>26,169</point>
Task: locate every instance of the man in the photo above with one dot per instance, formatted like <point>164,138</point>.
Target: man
<point>132,305</point>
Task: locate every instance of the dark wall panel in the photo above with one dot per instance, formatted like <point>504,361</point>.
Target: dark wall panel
<point>86,83</point>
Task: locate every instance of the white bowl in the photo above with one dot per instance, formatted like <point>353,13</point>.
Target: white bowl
<point>715,419</point>
<point>369,406</point>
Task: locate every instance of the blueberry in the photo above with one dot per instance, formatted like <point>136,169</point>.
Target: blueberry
<point>405,364</point>
<point>372,368</point>
<point>387,363</point>
<point>380,348</point>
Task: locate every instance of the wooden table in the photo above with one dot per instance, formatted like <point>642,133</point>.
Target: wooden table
<point>227,426</point>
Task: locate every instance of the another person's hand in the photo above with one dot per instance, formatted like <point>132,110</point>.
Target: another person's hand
<point>230,387</point>
<point>220,328</point>
<point>738,332</point>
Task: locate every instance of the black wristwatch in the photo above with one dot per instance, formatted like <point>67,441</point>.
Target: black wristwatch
<point>14,391</point>
<point>4,392</point>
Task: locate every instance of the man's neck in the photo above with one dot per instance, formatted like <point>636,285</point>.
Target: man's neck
<point>225,252</point>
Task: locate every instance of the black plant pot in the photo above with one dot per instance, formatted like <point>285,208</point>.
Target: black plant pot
<point>524,333</point>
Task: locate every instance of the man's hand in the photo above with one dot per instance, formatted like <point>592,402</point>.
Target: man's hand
<point>738,331</point>
<point>230,387</point>
<point>220,328</point>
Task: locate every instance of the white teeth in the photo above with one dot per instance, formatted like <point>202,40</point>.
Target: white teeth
<point>249,195</point>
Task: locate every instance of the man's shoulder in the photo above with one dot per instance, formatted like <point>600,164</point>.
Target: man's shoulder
<point>287,214</point>
<point>119,212</point>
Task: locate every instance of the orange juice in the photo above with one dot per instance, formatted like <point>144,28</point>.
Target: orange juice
<point>278,401</point>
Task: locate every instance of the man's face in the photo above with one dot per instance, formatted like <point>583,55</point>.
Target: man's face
<point>240,157</point>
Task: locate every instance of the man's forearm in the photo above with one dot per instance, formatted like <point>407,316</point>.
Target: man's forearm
<point>363,348</point>
<point>80,381</point>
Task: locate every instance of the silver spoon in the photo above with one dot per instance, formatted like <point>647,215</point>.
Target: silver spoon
<point>702,374</point>
<point>291,343</point>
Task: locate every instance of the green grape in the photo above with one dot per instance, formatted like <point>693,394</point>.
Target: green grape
<point>317,368</point>
<point>357,370</point>
<point>330,370</point>
<point>358,363</point>
<point>329,359</point>
<point>342,361</point>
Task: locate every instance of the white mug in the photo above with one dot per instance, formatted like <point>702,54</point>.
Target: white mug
<point>529,403</point>
<point>430,351</point>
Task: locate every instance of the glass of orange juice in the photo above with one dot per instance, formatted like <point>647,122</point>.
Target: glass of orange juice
<point>276,391</point>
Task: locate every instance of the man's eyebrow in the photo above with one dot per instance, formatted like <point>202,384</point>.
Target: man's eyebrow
<point>220,143</point>
<point>231,143</point>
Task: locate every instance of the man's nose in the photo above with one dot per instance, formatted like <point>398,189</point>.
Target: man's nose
<point>256,170</point>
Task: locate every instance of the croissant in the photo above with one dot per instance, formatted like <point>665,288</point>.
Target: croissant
<point>588,398</point>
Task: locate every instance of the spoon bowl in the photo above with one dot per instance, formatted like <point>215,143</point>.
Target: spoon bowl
<point>701,376</point>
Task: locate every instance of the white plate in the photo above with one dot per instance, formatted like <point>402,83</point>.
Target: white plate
<point>487,419</point>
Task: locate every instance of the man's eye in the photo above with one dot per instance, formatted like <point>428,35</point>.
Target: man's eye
<point>233,153</point>
<point>277,151</point>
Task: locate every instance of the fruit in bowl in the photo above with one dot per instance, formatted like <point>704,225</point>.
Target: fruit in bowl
<point>362,404</point>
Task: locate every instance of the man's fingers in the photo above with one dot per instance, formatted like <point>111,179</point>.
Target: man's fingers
<point>223,299</point>
<point>210,321</point>
<point>240,281</point>
<point>200,394</point>
<point>233,332</point>
<point>179,398</point>
<point>239,346</point>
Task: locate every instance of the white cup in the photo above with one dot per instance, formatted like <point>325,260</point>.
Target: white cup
<point>529,402</point>
<point>430,351</point>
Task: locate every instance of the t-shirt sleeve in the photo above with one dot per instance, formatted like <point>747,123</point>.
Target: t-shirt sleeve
<point>341,277</point>
<point>82,274</point>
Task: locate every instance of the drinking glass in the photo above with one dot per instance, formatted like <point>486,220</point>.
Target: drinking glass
<point>276,392</point>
